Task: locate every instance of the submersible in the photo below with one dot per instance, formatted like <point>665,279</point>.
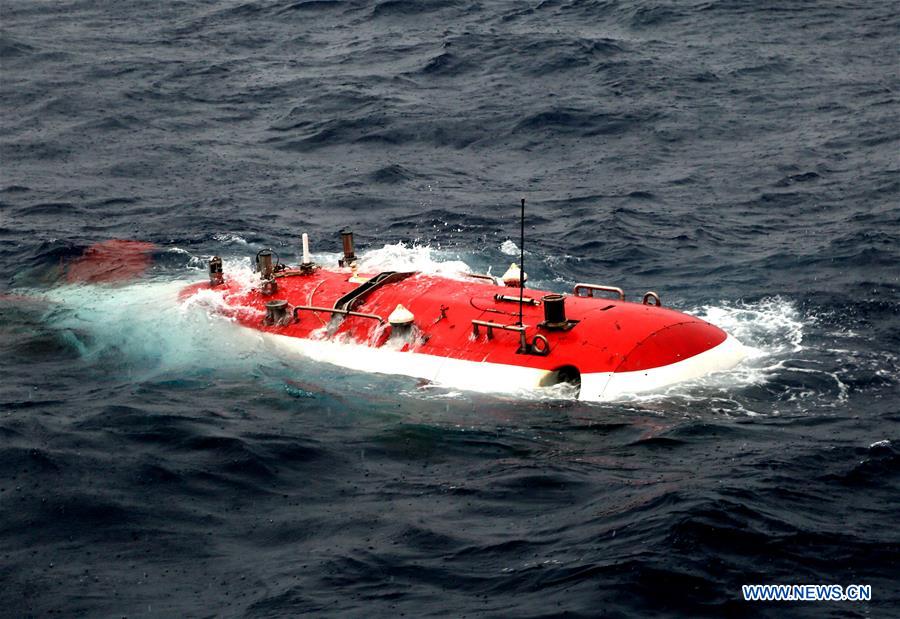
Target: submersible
<point>475,332</point>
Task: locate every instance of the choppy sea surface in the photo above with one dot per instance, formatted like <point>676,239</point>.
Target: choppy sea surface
<point>740,157</point>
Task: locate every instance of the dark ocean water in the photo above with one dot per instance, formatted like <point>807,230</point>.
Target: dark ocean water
<point>740,157</point>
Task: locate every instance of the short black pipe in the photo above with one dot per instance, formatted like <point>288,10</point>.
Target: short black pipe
<point>216,276</point>
<point>264,264</point>
<point>347,243</point>
<point>277,312</point>
<point>554,309</point>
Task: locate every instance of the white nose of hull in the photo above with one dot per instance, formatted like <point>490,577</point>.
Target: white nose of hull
<point>606,386</point>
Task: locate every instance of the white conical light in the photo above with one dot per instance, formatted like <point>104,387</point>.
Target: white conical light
<point>401,317</point>
<point>511,277</point>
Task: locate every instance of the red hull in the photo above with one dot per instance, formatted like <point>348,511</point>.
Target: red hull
<point>610,336</point>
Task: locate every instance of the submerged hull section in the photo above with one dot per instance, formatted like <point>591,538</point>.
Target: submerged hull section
<point>465,333</point>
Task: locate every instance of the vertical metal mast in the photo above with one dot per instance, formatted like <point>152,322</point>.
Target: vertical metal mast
<point>522,263</point>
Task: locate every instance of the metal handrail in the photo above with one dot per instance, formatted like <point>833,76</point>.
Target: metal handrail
<point>332,310</point>
<point>592,287</point>
<point>533,349</point>
<point>490,326</point>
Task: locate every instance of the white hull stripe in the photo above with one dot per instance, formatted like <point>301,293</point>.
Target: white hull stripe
<point>501,378</point>
<point>612,386</point>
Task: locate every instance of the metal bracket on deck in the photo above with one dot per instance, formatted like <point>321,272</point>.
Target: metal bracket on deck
<point>652,296</point>
<point>539,345</point>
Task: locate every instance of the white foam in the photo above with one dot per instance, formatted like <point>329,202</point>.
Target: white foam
<point>769,326</point>
<point>509,248</point>
<point>230,239</point>
<point>145,323</point>
<point>403,257</point>
<point>151,327</point>
<point>774,332</point>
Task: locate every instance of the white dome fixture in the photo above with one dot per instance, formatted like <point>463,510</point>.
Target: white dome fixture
<point>401,317</point>
<point>512,276</point>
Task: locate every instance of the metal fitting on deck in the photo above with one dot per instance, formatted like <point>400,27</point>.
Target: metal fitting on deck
<point>278,313</point>
<point>216,275</point>
<point>347,244</point>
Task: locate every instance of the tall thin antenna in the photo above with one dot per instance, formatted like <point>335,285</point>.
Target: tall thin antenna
<point>522,263</point>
